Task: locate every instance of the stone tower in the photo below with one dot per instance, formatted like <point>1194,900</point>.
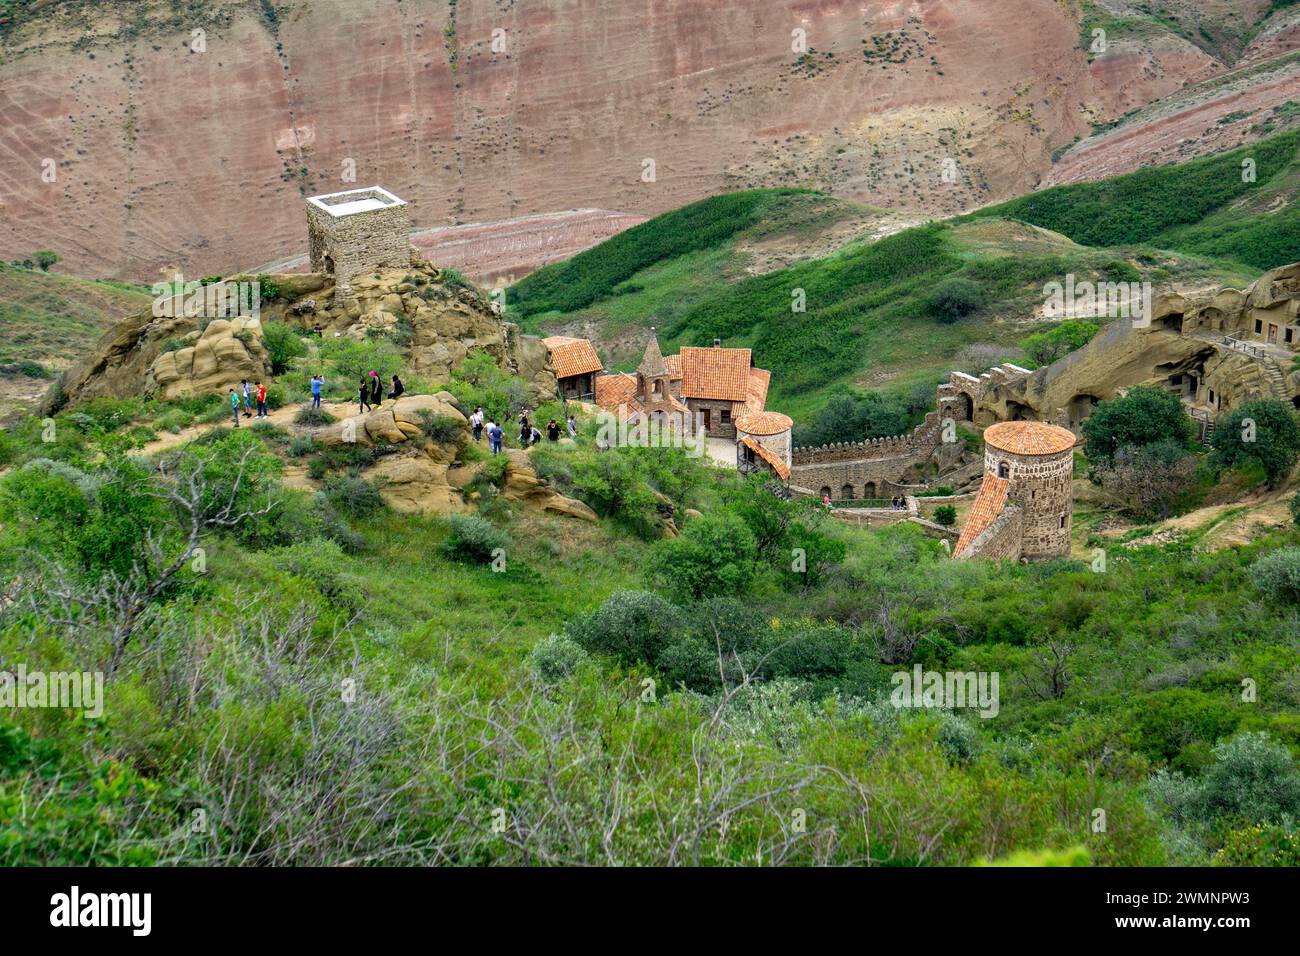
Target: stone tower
<point>654,381</point>
<point>1037,462</point>
<point>357,231</point>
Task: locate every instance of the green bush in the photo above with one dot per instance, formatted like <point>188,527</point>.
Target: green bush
<point>713,555</point>
<point>556,658</point>
<point>1261,433</point>
<point>1144,416</point>
<point>353,495</point>
<point>441,429</point>
<point>1278,573</point>
<point>474,539</point>
<point>945,515</point>
<point>313,417</point>
<point>954,299</point>
<point>630,626</point>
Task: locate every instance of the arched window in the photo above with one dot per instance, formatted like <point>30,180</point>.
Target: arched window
<point>1004,469</point>
<point>846,492</point>
<point>826,491</point>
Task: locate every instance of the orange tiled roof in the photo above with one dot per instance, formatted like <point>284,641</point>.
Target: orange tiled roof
<point>615,390</point>
<point>715,373</point>
<point>756,396</point>
<point>775,463</point>
<point>570,356</point>
<point>764,423</point>
<point>988,505</point>
<point>1029,438</point>
<point>674,363</point>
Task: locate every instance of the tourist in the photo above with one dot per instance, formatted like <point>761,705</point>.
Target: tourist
<point>553,430</point>
<point>893,502</point>
<point>534,436</point>
<point>476,423</point>
<point>317,383</point>
<point>248,400</point>
<point>376,390</point>
<point>525,431</point>
<point>261,400</point>
<point>363,397</point>
<point>398,389</point>
<point>234,405</point>
<point>826,500</point>
<point>318,331</point>
<point>573,427</point>
<point>496,437</point>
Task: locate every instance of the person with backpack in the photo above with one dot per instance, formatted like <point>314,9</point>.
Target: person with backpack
<point>476,423</point>
<point>573,427</point>
<point>398,389</point>
<point>553,430</point>
<point>261,400</point>
<point>363,397</point>
<point>234,406</point>
<point>534,436</point>
<point>317,383</point>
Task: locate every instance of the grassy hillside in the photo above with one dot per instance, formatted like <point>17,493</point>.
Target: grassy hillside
<point>577,689</point>
<point>1206,207</point>
<point>48,321</point>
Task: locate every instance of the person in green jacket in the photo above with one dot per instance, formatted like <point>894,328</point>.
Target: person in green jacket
<point>234,406</point>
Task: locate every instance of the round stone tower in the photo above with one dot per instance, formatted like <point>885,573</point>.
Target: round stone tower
<point>768,430</point>
<point>1037,461</point>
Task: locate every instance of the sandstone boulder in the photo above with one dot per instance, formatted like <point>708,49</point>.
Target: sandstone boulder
<point>224,354</point>
<point>523,486</point>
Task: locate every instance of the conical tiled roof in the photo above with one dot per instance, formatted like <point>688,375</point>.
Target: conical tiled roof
<point>652,363</point>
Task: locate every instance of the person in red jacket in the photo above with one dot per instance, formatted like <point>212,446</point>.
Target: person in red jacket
<point>261,400</point>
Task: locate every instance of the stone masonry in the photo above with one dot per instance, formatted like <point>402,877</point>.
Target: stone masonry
<point>357,231</point>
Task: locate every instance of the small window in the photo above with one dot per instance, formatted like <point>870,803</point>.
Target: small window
<point>1004,470</point>
<point>1288,335</point>
<point>726,415</point>
<point>1259,326</point>
<point>1062,522</point>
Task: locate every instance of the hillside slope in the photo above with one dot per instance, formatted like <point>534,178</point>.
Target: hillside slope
<point>167,154</point>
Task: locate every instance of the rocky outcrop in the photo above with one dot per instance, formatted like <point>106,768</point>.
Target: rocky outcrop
<point>221,357</point>
<point>523,486</point>
<point>437,321</point>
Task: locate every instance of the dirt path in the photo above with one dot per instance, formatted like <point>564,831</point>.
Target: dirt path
<point>281,416</point>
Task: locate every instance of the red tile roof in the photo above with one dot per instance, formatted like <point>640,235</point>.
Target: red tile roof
<point>615,390</point>
<point>1029,438</point>
<point>774,462</point>
<point>756,396</point>
<point>570,356</point>
<point>764,423</point>
<point>988,505</point>
<point>674,363</point>
<point>715,373</point>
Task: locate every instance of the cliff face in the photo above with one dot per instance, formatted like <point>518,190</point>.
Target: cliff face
<point>168,154</point>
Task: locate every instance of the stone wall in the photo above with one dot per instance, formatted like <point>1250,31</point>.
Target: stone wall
<point>1000,541</point>
<point>358,243</point>
<point>1041,487</point>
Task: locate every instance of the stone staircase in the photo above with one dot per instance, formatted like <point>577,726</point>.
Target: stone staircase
<point>1275,378</point>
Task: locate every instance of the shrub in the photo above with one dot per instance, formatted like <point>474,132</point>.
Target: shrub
<point>474,540</point>
<point>1144,416</point>
<point>1252,779</point>
<point>556,657</point>
<point>1044,348</point>
<point>353,495</point>
<point>313,417</point>
<point>1150,482</point>
<point>945,515</point>
<point>442,429</point>
<point>630,625</point>
<point>954,298</point>
<point>1262,433</point>
<point>713,555</point>
<point>303,445</point>
<point>1278,573</point>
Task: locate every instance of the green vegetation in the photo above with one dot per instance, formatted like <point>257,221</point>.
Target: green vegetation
<point>1263,434</point>
<point>1193,208</point>
<point>594,274</point>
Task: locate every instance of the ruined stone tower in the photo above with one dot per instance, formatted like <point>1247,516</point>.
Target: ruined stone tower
<point>356,231</point>
<point>1025,506</point>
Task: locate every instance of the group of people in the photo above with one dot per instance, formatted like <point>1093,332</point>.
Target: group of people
<point>370,392</point>
<point>251,393</point>
<point>528,432</point>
